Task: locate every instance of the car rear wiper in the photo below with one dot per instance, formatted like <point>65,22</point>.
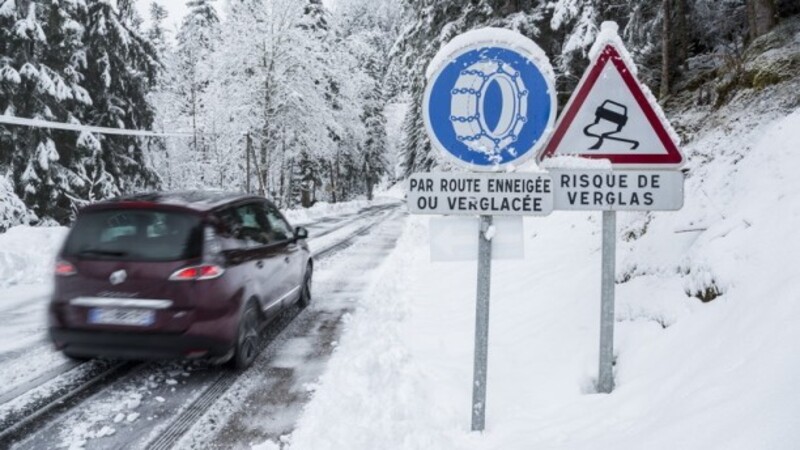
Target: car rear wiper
<point>99,252</point>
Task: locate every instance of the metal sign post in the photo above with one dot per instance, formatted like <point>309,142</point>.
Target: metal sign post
<point>482,325</point>
<point>489,104</point>
<point>605,377</point>
<point>611,191</point>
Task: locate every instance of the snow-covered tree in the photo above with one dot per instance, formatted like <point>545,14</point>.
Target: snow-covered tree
<point>31,88</point>
<point>12,210</point>
<point>193,69</point>
<point>369,29</point>
<point>76,62</point>
<point>157,34</point>
<point>278,80</point>
<point>122,69</point>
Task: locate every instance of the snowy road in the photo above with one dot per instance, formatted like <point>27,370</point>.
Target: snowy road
<point>152,405</point>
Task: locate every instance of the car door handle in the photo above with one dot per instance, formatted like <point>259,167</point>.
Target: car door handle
<point>260,264</point>
<point>286,259</point>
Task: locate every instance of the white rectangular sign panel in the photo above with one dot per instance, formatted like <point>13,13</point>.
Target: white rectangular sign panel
<point>622,190</point>
<point>455,238</point>
<point>496,194</point>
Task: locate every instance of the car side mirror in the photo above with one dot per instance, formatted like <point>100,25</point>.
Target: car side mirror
<point>300,233</point>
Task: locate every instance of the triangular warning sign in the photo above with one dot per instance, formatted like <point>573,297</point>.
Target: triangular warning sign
<point>610,117</point>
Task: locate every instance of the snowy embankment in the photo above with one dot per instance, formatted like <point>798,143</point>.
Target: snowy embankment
<point>689,374</point>
<point>300,216</point>
<point>27,254</point>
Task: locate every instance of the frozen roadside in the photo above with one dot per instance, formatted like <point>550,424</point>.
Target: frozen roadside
<point>320,210</point>
<point>26,262</point>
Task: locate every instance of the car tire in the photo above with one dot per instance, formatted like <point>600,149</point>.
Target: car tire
<point>305,289</point>
<point>76,358</point>
<point>247,338</point>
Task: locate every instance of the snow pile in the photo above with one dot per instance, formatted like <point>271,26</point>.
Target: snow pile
<point>26,254</point>
<point>689,374</point>
<point>325,209</point>
<point>371,383</point>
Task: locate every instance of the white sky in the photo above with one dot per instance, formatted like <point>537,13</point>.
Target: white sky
<point>175,8</point>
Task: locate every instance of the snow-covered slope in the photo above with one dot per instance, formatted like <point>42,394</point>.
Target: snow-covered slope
<point>27,254</point>
<point>690,374</point>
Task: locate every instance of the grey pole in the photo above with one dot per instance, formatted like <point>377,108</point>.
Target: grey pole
<point>482,326</point>
<point>248,144</point>
<point>605,378</point>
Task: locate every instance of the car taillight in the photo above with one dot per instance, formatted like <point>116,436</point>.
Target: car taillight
<point>65,269</point>
<point>202,272</point>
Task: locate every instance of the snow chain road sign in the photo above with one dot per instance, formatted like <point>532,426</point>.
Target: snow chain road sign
<point>490,103</point>
<point>501,194</point>
<point>610,115</point>
<point>490,99</point>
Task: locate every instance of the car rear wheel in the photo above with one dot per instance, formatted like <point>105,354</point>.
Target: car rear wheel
<point>305,293</point>
<point>77,358</point>
<point>247,340</point>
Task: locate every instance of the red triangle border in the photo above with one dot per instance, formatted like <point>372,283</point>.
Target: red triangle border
<point>673,157</point>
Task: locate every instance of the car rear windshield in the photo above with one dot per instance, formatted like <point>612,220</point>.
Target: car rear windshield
<point>135,235</point>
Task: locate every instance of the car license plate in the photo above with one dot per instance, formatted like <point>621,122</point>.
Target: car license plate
<point>121,316</point>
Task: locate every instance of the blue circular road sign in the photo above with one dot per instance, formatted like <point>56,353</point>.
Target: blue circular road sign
<point>490,99</point>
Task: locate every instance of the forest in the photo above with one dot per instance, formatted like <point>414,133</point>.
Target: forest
<point>297,100</point>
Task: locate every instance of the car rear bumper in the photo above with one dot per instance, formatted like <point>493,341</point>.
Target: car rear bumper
<point>125,345</point>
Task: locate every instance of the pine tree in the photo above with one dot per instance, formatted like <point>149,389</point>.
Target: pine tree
<point>197,38</point>
<point>73,62</point>
<point>122,69</point>
<point>370,29</point>
<point>373,151</point>
<point>29,89</point>
<point>157,34</point>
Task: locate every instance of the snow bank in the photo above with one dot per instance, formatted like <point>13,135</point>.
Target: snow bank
<point>689,375</point>
<point>372,383</point>
<point>27,254</point>
<point>325,209</point>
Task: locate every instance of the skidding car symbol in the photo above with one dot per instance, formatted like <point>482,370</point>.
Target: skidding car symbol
<point>613,112</point>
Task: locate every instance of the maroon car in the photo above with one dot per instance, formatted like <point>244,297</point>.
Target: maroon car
<point>176,275</point>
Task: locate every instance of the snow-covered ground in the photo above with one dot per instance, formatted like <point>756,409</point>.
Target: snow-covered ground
<point>689,374</point>
<point>300,216</point>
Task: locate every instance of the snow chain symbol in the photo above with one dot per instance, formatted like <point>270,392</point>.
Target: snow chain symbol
<point>489,107</point>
